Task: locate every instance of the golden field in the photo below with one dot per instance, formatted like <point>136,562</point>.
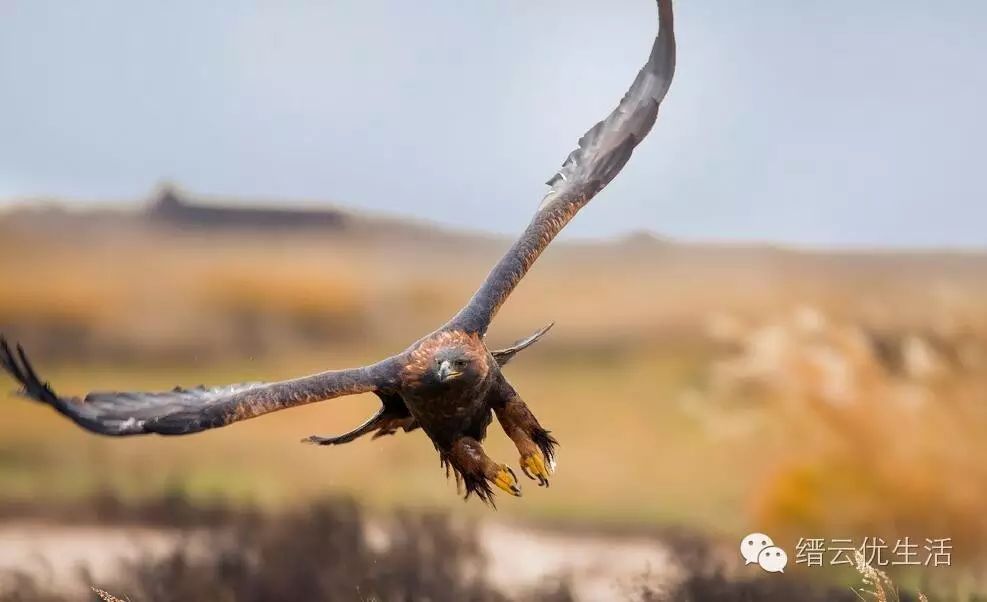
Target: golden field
<point>723,388</point>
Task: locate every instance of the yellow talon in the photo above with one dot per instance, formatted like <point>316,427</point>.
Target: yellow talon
<point>506,480</point>
<point>534,467</point>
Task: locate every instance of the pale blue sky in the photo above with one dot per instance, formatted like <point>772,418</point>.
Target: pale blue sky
<point>839,122</point>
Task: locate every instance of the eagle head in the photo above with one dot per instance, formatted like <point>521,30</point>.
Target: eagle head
<point>454,363</point>
<point>448,359</point>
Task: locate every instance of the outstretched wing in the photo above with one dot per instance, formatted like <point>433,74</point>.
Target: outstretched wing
<point>601,154</point>
<point>185,411</point>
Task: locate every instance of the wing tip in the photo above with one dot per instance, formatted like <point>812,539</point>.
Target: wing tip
<point>503,356</point>
<point>334,440</point>
<point>19,367</point>
<point>7,360</point>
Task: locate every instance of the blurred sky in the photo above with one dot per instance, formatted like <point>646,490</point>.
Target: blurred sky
<point>834,122</point>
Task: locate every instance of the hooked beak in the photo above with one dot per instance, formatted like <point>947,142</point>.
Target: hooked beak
<point>446,372</point>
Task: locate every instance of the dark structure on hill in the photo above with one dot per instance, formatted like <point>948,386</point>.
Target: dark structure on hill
<point>171,208</point>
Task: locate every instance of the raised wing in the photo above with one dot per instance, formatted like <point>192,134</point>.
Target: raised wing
<point>185,411</point>
<point>601,154</point>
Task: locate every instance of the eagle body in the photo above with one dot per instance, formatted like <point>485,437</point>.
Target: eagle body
<point>448,383</point>
<point>460,406</point>
<point>445,409</point>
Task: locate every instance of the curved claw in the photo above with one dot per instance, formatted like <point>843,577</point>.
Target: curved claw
<point>506,479</point>
<point>534,467</point>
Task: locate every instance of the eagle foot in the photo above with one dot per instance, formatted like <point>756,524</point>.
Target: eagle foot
<point>534,467</point>
<point>505,479</point>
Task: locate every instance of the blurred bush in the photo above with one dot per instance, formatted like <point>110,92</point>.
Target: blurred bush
<point>331,549</point>
<point>328,550</point>
<point>862,431</point>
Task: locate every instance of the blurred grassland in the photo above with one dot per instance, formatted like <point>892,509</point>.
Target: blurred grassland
<point>670,406</point>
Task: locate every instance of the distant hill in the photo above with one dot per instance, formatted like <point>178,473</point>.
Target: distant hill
<point>172,207</point>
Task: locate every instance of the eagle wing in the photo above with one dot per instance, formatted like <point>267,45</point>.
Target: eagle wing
<point>601,154</point>
<point>505,355</point>
<point>392,415</point>
<point>184,411</point>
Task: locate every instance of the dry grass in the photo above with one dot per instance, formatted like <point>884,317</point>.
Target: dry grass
<point>106,596</point>
<point>882,588</point>
<point>867,432</point>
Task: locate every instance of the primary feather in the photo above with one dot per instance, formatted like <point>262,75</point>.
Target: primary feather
<point>183,411</point>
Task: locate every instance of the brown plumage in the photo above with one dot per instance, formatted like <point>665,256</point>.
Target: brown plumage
<point>447,383</point>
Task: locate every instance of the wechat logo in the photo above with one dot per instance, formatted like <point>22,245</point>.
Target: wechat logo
<point>757,548</point>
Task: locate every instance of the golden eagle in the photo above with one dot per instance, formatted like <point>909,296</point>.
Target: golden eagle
<point>447,383</point>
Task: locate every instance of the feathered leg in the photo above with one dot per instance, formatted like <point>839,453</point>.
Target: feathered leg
<point>476,471</point>
<point>535,444</point>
